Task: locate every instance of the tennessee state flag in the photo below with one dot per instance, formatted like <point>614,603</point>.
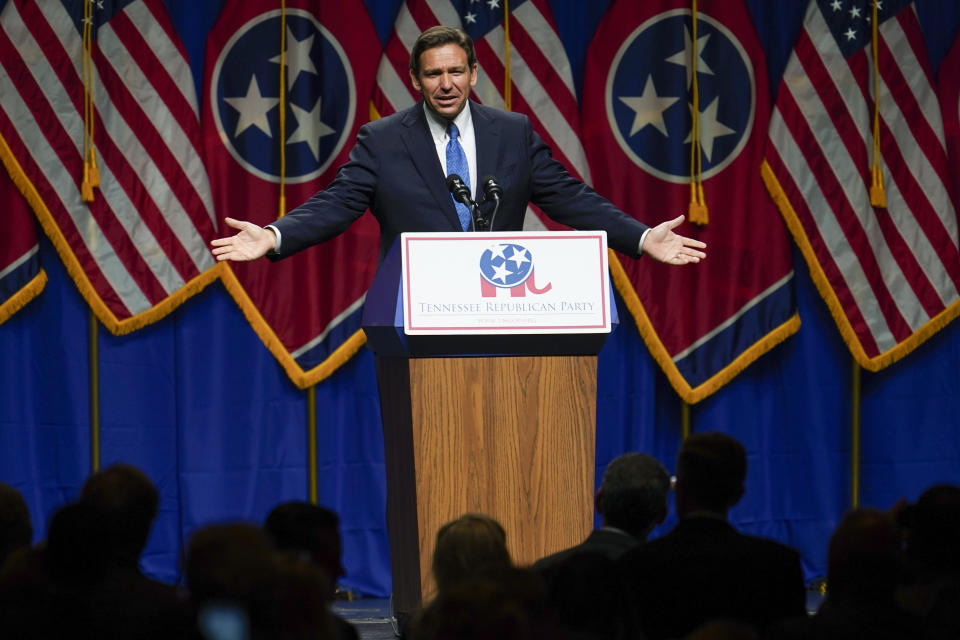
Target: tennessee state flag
<point>305,308</point>
<point>702,323</point>
<point>21,277</point>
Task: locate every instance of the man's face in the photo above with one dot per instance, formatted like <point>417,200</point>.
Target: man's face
<point>445,79</point>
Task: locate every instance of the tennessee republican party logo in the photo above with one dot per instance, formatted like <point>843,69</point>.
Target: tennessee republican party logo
<point>508,266</point>
<point>648,89</point>
<point>320,96</point>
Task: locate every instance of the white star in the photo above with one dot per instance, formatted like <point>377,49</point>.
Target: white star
<point>837,5</point>
<point>88,21</point>
<point>471,18</point>
<point>854,12</point>
<point>519,258</point>
<point>493,4</point>
<point>851,34</point>
<point>253,109</point>
<point>879,5</point>
<point>309,128</point>
<point>100,4</point>
<point>496,251</point>
<point>298,57</point>
<point>710,128</point>
<point>686,55</point>
<point>500,273</point>
<point>649,109</point>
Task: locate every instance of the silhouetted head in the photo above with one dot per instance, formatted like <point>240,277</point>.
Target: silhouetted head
<point>472,545</point>
<point>933,530</point>
<point>126,501</point>
<point>711,470</point>
<point>633,494</point>
<point>16,530</point>
<point>228,562</point>
<point>307,530</point>
<point>863,558</point>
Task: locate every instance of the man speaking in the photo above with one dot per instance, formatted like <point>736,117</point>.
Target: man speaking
<point>406,168</point>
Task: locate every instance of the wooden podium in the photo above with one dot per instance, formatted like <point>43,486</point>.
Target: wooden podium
<point>511,435</point>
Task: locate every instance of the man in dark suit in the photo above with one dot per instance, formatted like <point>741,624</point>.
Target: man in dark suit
<point>704,569</point>
<point>631,500</point>
<point>399,165</point>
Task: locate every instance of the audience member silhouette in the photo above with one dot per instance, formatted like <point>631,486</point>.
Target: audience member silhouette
<point>932,534</point>
<point>863,571</point>
<point>472,545</point>
<point>16,529</point>
<point>703,569</point>
<point>311,532</point>
<point>584,590</point>
<point>631,501</point>
<point>85,581</point>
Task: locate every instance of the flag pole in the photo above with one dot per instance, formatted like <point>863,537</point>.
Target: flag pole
<point>684,419</point>
<point>312,442</point>
<point>855,436</point>
<point>94,327</point>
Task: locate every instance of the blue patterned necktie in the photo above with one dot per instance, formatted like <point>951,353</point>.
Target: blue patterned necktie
<point>457,163</point>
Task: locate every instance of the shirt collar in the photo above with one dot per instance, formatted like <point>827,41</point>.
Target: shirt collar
<point>438,126</point>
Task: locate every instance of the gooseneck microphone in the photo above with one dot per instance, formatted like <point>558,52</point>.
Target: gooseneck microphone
<point>493,191</point>
<point>461,193</point>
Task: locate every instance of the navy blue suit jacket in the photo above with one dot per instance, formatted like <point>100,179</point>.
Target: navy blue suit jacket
<point>394,171</point>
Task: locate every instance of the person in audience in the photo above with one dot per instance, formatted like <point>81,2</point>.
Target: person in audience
<point>472,545</point>
<point>704,569</point>
<point>16,529</point>
<point>631,501</point>
<point>311,533</point>
<point>239,582</point>
<point>585,593</point>
<point>863,571</point>
<point>931,529</point>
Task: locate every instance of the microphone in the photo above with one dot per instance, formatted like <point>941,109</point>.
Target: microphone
<point>460,191</point>
<point>491,188</point>
<point>493,191</point>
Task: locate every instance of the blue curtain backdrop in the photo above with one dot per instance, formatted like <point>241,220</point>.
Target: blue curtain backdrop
<point>199,404</point>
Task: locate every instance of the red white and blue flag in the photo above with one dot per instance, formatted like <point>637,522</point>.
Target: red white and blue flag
<point>541,81</point>
<point>21,277</point>
<point>703,323</point>
<point>890,275</point>
<point>305,308</point>
<point>142,245</point>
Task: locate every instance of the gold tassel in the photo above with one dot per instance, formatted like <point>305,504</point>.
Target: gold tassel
<point>878,195</point>
<point>86,189</point>
<point>697,212</point>
<point>94,171</point>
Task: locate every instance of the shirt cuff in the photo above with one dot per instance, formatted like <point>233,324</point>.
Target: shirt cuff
<point>639,249</point>
<point>276,249</point>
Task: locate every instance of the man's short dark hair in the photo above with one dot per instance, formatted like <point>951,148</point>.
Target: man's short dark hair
<point>437,37</point>
<point>126,500</point>
<point>712,467</point>
<point>633,493</point>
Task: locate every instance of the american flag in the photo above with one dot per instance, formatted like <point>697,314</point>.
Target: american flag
<point>141,246</point>
<point>889,275</point>
<point>541,79</point>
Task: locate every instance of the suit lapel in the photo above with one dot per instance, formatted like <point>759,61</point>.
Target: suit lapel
<point>423,154</point>
<point>486,131</point>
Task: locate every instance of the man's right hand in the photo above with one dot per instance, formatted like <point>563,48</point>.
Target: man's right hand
<point>252,242</point>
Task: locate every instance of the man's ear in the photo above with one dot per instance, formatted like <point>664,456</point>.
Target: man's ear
<point>597,501</point>
<point>415,81</point>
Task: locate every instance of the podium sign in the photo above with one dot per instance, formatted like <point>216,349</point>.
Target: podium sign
<point>505,283</point>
